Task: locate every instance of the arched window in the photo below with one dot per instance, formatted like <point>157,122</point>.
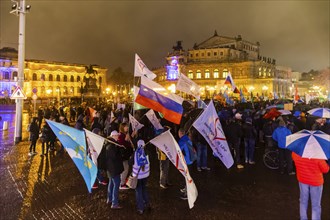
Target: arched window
<point>6,76</point>
<point>198,74</point>
<point>42,77</point>
<point>34,77</point>
<point>49,91</point>
<point>58,90</point>
<point>224,73</point>
<point>71,90</point>
<point>100,80</point>
<point>216,73</point>
<point>65,79</point>
<point>50,77</point>
<point>42,90</point>
<point>190,74</point>
<point>207,74</point>
<point>65,90</point>
<point>14,75</point>
<point>78,78</point>
<point>71,78</point>
<point>58,78</point>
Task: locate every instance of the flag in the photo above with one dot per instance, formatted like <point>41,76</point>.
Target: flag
<point>135,124</point>
<point>137,106</point>
<point>209,126</point>
<point>153,119</point>
<point>242,96</point>
<point>296,96</point>
<point>186,85</point>
<point>167,144</point>
<point>229,80</point>
<point>228,100</point>
<point>95,143</point>
<point>156,97</point>
<point>74,142</point>
<point>201,104</point>
<point>140,69</point>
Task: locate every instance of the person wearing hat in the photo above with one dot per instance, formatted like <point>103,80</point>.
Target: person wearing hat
<point>279,135</point>
<point>141,169</point>
<point>114,165</point>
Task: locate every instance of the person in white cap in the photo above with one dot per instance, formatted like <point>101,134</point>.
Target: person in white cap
<point>141,169</point>
<point>114,163</point>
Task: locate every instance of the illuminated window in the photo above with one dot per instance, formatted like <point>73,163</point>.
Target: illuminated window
<point>72,90</point>
<point>71,79</point>
<point>78,78</point>
<point>224,73</point>
<point>14,75</point>
<point>259,71</point>
<point>198,74</point>
<point>58,78</point>
<point>216,73</point>
<point>207,74</point>
<point>34,77</point>
<point>42,77</point>
<point>265,70</point>
<point>50,77</point>
<point>190,74</point>
<point>65,90</point>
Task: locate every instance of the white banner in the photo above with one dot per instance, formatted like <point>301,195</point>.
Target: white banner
<point>153,119</point>
<point>209,126</point>
<point>140,69</point>
<point>167,144</point>
<point>95,143</point>
<point>186,85</point>
<point>135,124</point>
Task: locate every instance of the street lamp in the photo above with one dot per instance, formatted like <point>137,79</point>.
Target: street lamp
<point>20,9</point>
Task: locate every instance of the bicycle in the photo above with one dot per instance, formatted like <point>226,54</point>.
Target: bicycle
<point>271,159</point>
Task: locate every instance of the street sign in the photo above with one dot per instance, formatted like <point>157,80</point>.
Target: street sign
<point>34,97</point>
<point>34,90</point>
<point>18,94</point>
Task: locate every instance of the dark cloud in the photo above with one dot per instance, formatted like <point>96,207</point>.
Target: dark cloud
<point>109,33</point>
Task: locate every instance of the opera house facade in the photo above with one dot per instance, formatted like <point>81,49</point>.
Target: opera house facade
<point>209,62</point>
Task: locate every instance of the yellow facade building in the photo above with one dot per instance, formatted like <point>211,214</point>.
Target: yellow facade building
<point>208,64</point>
<point>51,80</point>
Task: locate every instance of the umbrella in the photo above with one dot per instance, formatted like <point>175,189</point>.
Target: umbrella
<point>273,113</point>
<point>320,112</point>
<point>285,112</point>
<point>310,144</point>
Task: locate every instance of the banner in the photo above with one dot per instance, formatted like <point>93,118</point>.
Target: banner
<point>168,145</point>
<point>95,143</point>
<point>74,142</point>
<point>209,126</point>
<point>140,69</point>
<point>153,119</point>
<point>135,124</point>
<point>186,85</point>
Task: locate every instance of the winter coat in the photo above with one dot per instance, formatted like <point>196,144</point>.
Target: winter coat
<point>249,131</point>
<point>128,150</point>
<point>234,132</point>
<point>310,171</point>
<point>279,135</point>
<point>114,161</point>
<point>34,131</point>
<point>45,133</point>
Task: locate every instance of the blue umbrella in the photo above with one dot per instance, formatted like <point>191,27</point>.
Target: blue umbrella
<point>310,144</point>
<point>320,112</point>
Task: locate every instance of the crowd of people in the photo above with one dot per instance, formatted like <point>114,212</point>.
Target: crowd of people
<point>126,154</point>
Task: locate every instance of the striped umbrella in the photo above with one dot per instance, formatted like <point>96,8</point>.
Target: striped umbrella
<point>309,144</point>
<point>320,112</point>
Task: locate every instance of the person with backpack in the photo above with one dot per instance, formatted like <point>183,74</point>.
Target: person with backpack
<point>33,129</point>
<point>188,152</point>
<point>141,169</point>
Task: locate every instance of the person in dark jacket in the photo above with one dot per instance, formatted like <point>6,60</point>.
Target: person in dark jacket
<point>114,163</point>
<point>250,135</point>
<point>45,139</point>
<point>33,128</point>
<point>234,135</point>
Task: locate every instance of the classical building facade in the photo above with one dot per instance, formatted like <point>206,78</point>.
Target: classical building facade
<point>208,64</point>
<point>51,80</point>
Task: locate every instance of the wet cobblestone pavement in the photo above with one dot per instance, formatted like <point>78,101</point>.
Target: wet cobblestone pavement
<point>52,188</point>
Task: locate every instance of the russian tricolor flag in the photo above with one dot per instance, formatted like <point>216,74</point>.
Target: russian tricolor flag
<point>156,97</point>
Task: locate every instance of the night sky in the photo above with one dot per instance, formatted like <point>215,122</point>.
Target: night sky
<point>109,33</point>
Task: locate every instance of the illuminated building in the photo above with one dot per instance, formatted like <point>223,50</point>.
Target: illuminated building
<point>209,63</point>
<point>51,80</point>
